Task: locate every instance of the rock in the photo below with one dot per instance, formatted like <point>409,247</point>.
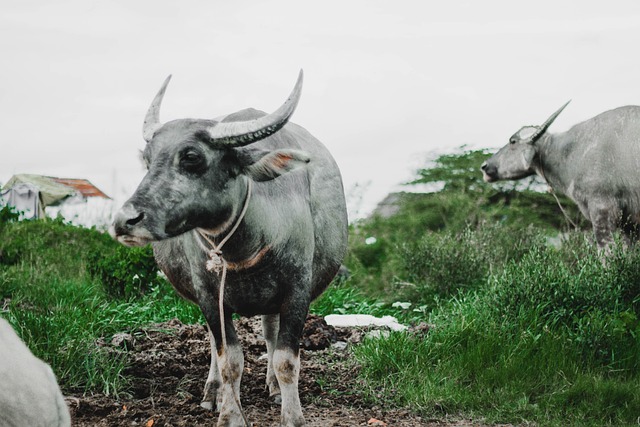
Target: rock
<point>339,345</point>
<point>362,320</point>
<point>123,340</point>
<point>421,329</point>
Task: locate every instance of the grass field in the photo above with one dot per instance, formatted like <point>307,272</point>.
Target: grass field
<point>524,332</point>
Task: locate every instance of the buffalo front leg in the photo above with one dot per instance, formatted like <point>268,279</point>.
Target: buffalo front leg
<point>604,217</point>
<point>286,364</point>
<point>211,387</point>
<point>270,327</point>
<point>230,364</point>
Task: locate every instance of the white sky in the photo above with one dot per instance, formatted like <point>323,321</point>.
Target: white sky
<point>388,84</point>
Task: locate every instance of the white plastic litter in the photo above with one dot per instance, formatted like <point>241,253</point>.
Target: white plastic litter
<point>402,305</point>
<point>351,320</point>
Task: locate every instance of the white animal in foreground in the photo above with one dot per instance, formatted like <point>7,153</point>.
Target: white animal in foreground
<point>29,393</point>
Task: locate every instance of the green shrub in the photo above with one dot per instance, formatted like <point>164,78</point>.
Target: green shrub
<point>440,265</point>
<point>552,338</point>
<point>596,306</point>
<point>373,255</point>
<point>8,214</point>
<point>50,248</point>
<point>125,272</point>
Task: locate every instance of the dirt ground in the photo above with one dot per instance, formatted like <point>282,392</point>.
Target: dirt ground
<point>169,365</point>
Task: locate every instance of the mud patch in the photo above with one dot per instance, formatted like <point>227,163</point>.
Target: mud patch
<point>169,363</point>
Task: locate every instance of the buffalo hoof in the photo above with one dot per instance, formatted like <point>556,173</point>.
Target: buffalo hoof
<point>207,405</point>
<point>231,420</point>
<point>293,422</point>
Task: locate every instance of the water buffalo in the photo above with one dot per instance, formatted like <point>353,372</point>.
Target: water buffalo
<point>596,164</point>
<point>29,392</point>
<point>253,203</point>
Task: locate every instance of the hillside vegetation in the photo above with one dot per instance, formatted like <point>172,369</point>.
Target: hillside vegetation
<point>528,326</point>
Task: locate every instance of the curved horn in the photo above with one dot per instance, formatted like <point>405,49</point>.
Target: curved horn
<point>152,119</point>
<point>239,134</point>
<point>548,122</point>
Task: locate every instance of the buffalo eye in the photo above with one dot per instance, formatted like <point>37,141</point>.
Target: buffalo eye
<point>192,160</point>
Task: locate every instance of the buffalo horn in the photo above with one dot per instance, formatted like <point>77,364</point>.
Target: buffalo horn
<point>152,119</point>
<point>238,134</point>
<point>542,129</point>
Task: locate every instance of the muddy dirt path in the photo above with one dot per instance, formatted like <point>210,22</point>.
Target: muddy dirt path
<point>170,361</point>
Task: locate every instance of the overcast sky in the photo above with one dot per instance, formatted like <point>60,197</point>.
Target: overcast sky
<point>388,84</point>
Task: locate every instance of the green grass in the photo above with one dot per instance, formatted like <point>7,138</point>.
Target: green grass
<point>61,311</point>
<point>545,341</point>
<point>62,322</point>
<point>525,333</point>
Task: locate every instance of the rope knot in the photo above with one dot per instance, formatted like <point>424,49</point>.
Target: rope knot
<point>215,261</point>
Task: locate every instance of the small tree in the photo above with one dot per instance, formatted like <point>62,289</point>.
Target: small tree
<point>520,202</point>
<point>460,171</point>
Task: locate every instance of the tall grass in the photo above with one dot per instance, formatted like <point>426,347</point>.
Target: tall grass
<point>550,339</point>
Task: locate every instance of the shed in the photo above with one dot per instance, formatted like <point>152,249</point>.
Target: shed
<point>31,194</point>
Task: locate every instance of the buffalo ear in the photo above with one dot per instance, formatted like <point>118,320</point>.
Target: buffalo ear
<point>263,165</point>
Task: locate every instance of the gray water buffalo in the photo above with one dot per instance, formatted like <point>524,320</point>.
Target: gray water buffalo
<point>246,215</point>
<point>29,392</point>
<point>596,164</point>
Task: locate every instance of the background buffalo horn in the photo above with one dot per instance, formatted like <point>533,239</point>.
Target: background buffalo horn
<point>152,119</point>
<point>548,122</point>
<point>238,134</point>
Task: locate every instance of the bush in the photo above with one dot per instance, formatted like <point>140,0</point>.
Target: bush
<point>552,338</point>
<point>372,255</point>
<point>125,272</point>
<point>8,214</point>
<point>51,248</point>
<point>440,265</point>
<point>596,306</point>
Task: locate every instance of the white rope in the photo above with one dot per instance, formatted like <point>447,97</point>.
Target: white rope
<point>553,193</point>
<point>218,264</point>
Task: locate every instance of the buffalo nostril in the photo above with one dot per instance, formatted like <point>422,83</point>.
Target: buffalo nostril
<point>134,221</point>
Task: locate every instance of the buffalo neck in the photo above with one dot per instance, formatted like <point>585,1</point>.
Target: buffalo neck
<point>234,237</point>
<point>551,162</point>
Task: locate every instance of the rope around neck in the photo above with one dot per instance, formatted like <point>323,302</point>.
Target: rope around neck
<point>216,263</point>
<point>553,193</point>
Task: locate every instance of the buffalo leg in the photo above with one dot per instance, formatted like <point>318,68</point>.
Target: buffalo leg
<point>231,365</point>
<point>210,396</point>
<point>286,363</point>
<point>270,326</point>
<point>604,219</point>
<point>230,362</point>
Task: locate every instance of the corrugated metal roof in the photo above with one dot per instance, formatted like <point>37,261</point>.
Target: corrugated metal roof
<point>83,186</point>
